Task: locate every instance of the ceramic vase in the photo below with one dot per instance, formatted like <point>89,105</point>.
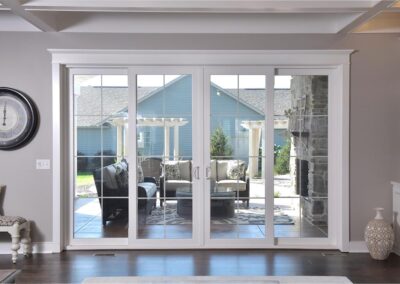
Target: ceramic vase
<point>379,236</point>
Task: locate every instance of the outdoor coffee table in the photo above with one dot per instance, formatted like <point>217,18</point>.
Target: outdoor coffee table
<point>222,203</point>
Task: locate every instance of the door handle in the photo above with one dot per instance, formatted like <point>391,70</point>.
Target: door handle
<point>196,172</point>
<point>208,173</point>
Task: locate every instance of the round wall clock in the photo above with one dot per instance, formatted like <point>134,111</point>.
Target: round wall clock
<point>19,119</point>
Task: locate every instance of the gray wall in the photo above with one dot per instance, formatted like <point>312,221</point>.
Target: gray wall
<point>375,129</point>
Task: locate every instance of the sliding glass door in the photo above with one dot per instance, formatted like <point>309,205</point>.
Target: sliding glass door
<point>186,157</point>
<point>236,155</point>
<point>168,182</point>
<point>301,165</point>
<point>99,199</point>
<point>164,150</point>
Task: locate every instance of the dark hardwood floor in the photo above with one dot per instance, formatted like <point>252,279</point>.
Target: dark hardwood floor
<point>74,266</point>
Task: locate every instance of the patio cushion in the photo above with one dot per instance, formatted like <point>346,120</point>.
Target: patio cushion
<point>121,176</point>
<point>185,170</point>
<point>175,184</point>
<point>11,220</point>
<point>109,179</point>
<point>150,188</point>
<point>172,171</point>
<point>213,165</point>
<point>222,167</point>
<point>139,174</point>
<point>236,169</point>
<point>232,185</point>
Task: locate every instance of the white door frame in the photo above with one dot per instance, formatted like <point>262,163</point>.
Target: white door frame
<point>338,61</point>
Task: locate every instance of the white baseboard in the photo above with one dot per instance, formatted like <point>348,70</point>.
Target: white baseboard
<point>358,247</point>
<point>39,247</point>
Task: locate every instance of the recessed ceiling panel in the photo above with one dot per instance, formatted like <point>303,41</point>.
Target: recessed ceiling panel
<point>13,23</point>
<point>203,23</point>
<point>385,22</point>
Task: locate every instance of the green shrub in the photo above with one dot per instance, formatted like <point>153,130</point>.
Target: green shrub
<point>282,163</point>
<point>220,144</point>
<point>277,149</point>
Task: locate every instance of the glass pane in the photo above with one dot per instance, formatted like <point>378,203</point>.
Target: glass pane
<point>251,219</point>
<point>84,179</point>
<point>223,215</point>
<point>252,96</point>
<point>301,149</point>
<point>178,95</point>
<point>178,216</point>
<point>150,222</point>
<point>92,219</point>
<point>88,133</point>
<point>87,95</point>
<point>114,95</point>
<point>224,94</point>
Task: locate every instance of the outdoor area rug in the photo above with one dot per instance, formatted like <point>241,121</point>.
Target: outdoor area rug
<point>246,216</point>
<point>221,279</point>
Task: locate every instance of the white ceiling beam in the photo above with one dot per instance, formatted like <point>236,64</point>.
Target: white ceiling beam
<point>202,6</point>
<point>34,19</point>
<point>378,8</point>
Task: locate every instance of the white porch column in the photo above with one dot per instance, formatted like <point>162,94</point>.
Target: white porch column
<point>166,142</point>
<point>254,143</point>
<point>263,159</point>
<point>120,141</point>
<point>124,132</point>
<point>176,142</point>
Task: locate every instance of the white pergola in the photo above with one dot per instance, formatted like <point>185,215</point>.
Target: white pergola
<point>254,127</point>
<point>167,123</point>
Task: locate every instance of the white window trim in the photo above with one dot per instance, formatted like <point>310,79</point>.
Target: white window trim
<point>338,61</point>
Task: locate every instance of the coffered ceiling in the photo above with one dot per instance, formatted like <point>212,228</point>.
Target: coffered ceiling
<point>201,16</point>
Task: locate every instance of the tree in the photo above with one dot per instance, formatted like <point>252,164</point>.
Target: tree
<point>282,162</point>
<point>220,144</point>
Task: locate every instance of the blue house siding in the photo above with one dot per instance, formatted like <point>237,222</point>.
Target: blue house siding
<point>175,100</point>
<point>89,140</point>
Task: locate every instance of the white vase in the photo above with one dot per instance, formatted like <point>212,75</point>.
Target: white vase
<point>379,236</point>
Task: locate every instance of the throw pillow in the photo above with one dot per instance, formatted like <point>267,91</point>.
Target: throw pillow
<point>172,171</point>
<point>121,176</point>
<point>139,174</point>
<point>185,170</point>
<point>236,169</point>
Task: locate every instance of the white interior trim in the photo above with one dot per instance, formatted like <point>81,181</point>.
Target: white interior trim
<point>336,60</point>
<point>58,88</point>
<point>358,247</point>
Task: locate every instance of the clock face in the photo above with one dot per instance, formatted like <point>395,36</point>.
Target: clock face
<point>18,119</point>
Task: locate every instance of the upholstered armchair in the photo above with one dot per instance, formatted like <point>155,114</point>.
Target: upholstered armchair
<point>230,175</point>
<point>175,174</point>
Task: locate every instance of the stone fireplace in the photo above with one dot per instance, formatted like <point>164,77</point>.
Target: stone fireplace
<point>308,125</point>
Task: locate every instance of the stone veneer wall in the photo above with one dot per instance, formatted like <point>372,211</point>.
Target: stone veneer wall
<point>308,123</point>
